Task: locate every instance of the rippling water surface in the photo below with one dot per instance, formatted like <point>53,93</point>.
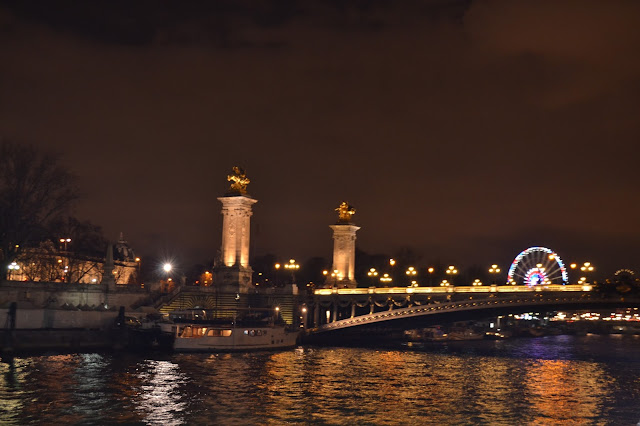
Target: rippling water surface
<point>550,380</point>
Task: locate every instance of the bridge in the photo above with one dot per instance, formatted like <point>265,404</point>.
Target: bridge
<point>348,314</point>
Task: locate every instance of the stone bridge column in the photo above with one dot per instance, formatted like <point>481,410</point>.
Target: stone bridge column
<point>233,272</point>
<point>344,249</point>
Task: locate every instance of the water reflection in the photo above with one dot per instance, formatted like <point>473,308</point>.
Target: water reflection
<point>566,391</point>
<point>162,399</point>
<point>499,384</point>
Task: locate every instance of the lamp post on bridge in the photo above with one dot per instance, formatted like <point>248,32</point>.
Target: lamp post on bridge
<point>372,275</point>
<point>386,279</point>
<point>293,267</point>
<point>494,270</point>
<point>452,271</point>
<point>411,274</point>
<point>337,276</point>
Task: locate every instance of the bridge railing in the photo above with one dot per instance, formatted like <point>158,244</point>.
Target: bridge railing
<point>453,289</point>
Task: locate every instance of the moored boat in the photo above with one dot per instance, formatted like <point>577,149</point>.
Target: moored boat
<point>200,331</point>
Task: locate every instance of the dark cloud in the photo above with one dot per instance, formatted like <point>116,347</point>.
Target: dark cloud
<point>458,128</point>
<point>577,50</point>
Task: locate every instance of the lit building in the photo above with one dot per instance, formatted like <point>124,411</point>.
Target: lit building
<point>48,264</point>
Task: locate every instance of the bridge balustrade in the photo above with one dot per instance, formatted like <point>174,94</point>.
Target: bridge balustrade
<point>332,307</point>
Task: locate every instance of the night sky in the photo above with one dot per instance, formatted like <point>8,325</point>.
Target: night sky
<point>468,130</point>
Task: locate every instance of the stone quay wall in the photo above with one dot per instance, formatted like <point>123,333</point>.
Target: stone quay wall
<point>31,319</point>
<point>55,295</point>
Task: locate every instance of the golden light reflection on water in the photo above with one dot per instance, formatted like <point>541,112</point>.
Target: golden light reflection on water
<point>566,391</point>
<point>325,386</point>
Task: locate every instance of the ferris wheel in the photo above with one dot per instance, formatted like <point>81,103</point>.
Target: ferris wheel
<point>537,266</point>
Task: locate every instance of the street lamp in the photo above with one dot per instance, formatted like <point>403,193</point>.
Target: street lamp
<point>452,271</point>
<point>445,283</point>
<point>167,267</point>
<point>65,241</point>
<point>386,279</point>
<point>494,270</point>
<point>292,266</point>
<point>411,273</point>
<point>337,276</point>
<point>275,280</point>
<point>587,267</point>
<point>476,282</point>
<point>372,275</point>
<point>430,270</point>
<point>138,261</point>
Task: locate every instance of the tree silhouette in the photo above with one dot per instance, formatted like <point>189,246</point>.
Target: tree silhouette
<point>35,192</point>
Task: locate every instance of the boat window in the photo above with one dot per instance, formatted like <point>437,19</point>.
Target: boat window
<point>254,333</point>
<point>218,333</point>
<point>190,331</point>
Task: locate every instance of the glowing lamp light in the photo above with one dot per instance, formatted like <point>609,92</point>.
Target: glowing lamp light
<point>167,267</point>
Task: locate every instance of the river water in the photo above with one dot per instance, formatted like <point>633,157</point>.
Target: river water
<point>540,381</point>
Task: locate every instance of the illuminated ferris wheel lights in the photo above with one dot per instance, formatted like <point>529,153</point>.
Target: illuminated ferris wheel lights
<point>537,266</point>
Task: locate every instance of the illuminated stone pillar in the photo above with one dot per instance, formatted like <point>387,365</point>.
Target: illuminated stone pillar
<point>344,255</point>
<point>236,213</point>
<point>234,274</point>
<point>344,249</point>
<point>232,270</point>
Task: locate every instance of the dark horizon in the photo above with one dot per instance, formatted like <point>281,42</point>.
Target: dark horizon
<point>466,130</point>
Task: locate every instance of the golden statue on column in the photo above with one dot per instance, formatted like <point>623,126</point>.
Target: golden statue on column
<point>345,211</point>
<point>239,181</point>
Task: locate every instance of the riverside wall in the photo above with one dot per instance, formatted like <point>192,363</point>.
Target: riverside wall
<point>56,294</point>
<point>30,319</point>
